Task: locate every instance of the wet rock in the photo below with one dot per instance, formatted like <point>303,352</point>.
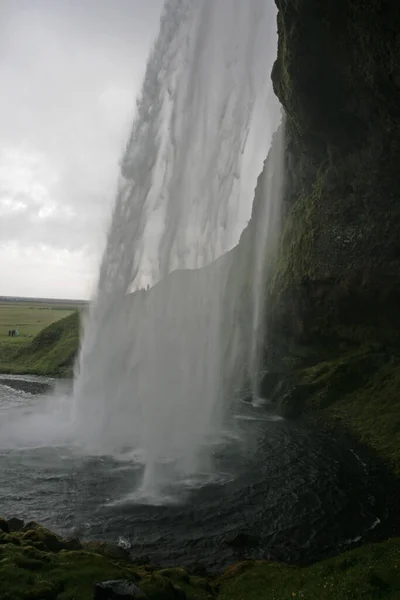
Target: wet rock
<point>176,574</point>
<point>197,569</point>
<point>31,387</point>
<point>241,540</point>
<point>141,561</point>
<point>15,524</point>
<point>248,398</point>
<point>4,526</point>
<point>46,540</point>
<point>293,402</point>
<point>268,384</point>
<point>117,590</point>
<point>9,538</point>
<point>108,550</point>
<point>157,587</point>
<point>31,526</point>
<point>72,544</point>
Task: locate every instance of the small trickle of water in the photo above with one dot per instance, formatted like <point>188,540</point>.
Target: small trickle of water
<point>156,367</point>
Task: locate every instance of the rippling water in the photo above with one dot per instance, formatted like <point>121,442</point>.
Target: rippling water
<point>300,492</point>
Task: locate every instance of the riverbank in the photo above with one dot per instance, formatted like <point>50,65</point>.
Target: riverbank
<point>35,564</point>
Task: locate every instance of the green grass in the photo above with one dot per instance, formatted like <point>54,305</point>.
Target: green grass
<point>35,564</point>
<point>51,352</point>
<point>362,392</point>
<point>29,318</point>
<point>369,573</point>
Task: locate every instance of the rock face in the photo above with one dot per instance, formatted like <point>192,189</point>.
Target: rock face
<point>117,590</point>
<point>4,526</point>
<point>333,322</point>
<point>108,550</point>
<point>15,524</point>
<point>337,75</point>
<point>241,540</point>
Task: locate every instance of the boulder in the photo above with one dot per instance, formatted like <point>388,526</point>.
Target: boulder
<point>72,544</point>
<point>292,404</point>
<point>4,526</point>
<point>15,524</point>
<point>141,560</point>
<point>241,540</point>
<point>117,590</point>
<point>112,551</point>
<point>268,384</point>
<point>43,539</point>
<point>31,526</point>
<point>157,587</point>
<point>197,569</point>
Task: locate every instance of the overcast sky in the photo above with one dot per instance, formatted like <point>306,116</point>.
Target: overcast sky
<point>69,74</point>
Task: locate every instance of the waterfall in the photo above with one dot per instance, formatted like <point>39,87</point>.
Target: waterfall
<point>266,221</point>
<point>156,367</point>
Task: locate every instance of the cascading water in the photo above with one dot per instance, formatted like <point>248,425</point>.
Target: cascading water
<point>159,369</point>
<point>266,220</point>
<point>155,371</point>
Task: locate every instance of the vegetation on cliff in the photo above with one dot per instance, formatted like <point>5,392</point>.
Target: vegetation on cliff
<point>333,320</point>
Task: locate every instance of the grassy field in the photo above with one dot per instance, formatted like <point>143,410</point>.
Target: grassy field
<point>48,336</point>
<point>29,318</point>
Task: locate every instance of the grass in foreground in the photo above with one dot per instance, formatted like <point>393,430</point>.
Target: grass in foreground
<point>37,565</point>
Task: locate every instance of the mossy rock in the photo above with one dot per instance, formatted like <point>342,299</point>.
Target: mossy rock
<point>43,539</point>
<point>157,587</point>
<point>4,526</point>
<point>9,538</point>
<point>176,574</point>
<point>30,526</point>
<point>15,524</point>
<point>112,551</point>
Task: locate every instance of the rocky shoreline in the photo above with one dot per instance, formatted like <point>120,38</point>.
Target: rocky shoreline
<point>36,564</point>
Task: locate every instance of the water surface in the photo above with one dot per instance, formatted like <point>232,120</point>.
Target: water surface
<point>301,493</point>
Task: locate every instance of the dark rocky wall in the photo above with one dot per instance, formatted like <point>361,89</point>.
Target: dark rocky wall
<point>338,77</point>
<point>333,308</point>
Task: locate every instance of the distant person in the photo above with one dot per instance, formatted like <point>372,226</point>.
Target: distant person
<point>16,332</point>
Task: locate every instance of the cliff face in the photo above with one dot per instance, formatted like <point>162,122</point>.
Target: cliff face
<point>338,77</point>
<point>336,290</point>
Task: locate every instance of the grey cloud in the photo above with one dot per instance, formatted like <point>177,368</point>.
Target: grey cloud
<point>69,74</point>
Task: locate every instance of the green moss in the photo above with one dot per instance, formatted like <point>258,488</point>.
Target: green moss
<point>36,564</point>
<point>369,573</point>
<point>358,389</point>
<point>194,587</point>
<point>29,573</point>
<point>372,413</point>
<point>3,526</point>
<point>111,551</point>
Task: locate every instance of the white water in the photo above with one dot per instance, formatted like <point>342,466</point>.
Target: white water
<point>153,373</point>
<point>267,218</point>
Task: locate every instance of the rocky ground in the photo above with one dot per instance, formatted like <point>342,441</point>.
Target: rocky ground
<point>36,564</point>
